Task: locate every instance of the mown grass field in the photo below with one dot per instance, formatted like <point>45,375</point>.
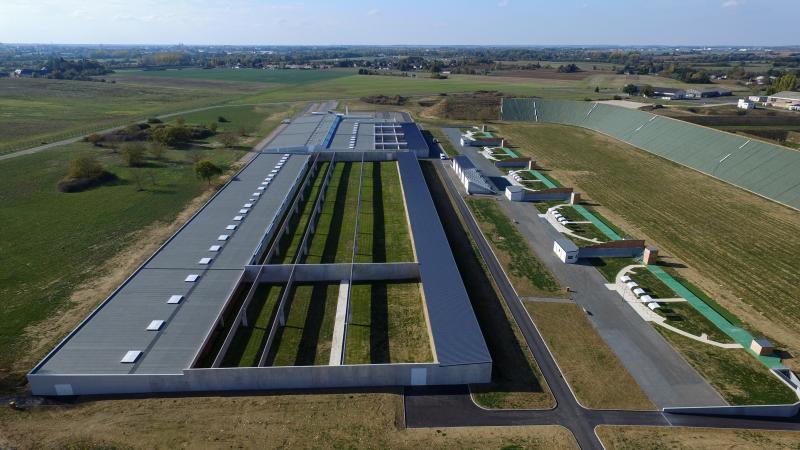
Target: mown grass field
<point>388,325</point>
<point>290,243</point>
<point>332,241</point>
<point>53,242</point>
<point>306,338</point>
<point>739,248</point>
<point>594,372</point>
<point>528,275</point>
<point>33,111</point>
<point>516,379</point>
<point>285,77</point>
<point>248,342</point>
<point>635,438</point>
<point>383,234</point>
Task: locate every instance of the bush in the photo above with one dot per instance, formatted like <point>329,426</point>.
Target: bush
<point>157,150</point>
<point>617,97</point>
<point>207,170</point>
<point>132,154</point>
<point>80,184</point>
<point>85,166</point>
<point>154,120</point>
<point>228,140</point>
<point>222,119</point>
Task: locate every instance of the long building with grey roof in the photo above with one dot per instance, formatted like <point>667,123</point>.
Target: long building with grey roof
<point>168,327</point>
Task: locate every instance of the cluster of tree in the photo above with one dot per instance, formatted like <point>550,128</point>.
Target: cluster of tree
<point>171,135</point>
<point>385,100</point>
<point>787,82</point>
<point>569,68</point>
<point>84,172</point>
<point>687,74</point>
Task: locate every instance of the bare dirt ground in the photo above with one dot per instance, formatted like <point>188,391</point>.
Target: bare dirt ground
<point>268,421</point>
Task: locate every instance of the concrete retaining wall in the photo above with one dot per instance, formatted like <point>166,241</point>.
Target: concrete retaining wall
<point>279,273</point>
<point>751,411</point>
<point>264,378</point>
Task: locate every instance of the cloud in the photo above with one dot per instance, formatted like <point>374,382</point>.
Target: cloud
<point>732,3</point>
<point>373,12</point>
<point>502,3</point>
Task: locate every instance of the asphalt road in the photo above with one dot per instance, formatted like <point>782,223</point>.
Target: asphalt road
<point>662,373</point>
<point>453,406</point>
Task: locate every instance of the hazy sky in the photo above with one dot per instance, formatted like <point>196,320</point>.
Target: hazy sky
<point>476,22</point>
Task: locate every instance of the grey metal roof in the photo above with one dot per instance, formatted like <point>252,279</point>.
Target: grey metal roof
<point>308,130</point>
<point>119,324</point>
<point>786,94</point>
<point>566,244</point>
<point>464,162</point>
<point>456,334</point>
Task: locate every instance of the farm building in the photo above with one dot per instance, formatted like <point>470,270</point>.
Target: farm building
<point>236,275</point>
<point>784,99</point>
<point>707,93</point>
<point>669,93</point>
<point>471,177</point>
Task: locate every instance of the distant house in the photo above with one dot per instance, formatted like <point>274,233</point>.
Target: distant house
<point>707,93</point>
<point>23,73</point>
<point>784,99</point>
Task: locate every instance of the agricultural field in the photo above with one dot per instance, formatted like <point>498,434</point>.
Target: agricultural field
<point>528,275</point>
<point>55,243</point>
<point>516,379</point>
<point>634,438</point>
<point>274,77</point>
<point>353,420</point>
<point>594,372</point>
<point>388,325</point>
<point>717,236</point>
<point>33,111</point>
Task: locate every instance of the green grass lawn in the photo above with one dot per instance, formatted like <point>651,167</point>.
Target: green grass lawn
<point>306,338</point>
<point>684,317</point>
<point>610,267</point>
<point>52,242</point>
<point>248,342</point>
<point>332,241</point>
<point>257,120</point>
<point>529,275</point>
<point>651,284</point>
<point>290,243</point>
<point>388,325</point>
<point>588,231</point>
<point>33,111</point>
<point>737,376</point>
<point>383,234</point>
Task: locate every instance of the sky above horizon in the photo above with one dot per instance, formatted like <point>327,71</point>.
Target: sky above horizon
<point>408,22</point>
